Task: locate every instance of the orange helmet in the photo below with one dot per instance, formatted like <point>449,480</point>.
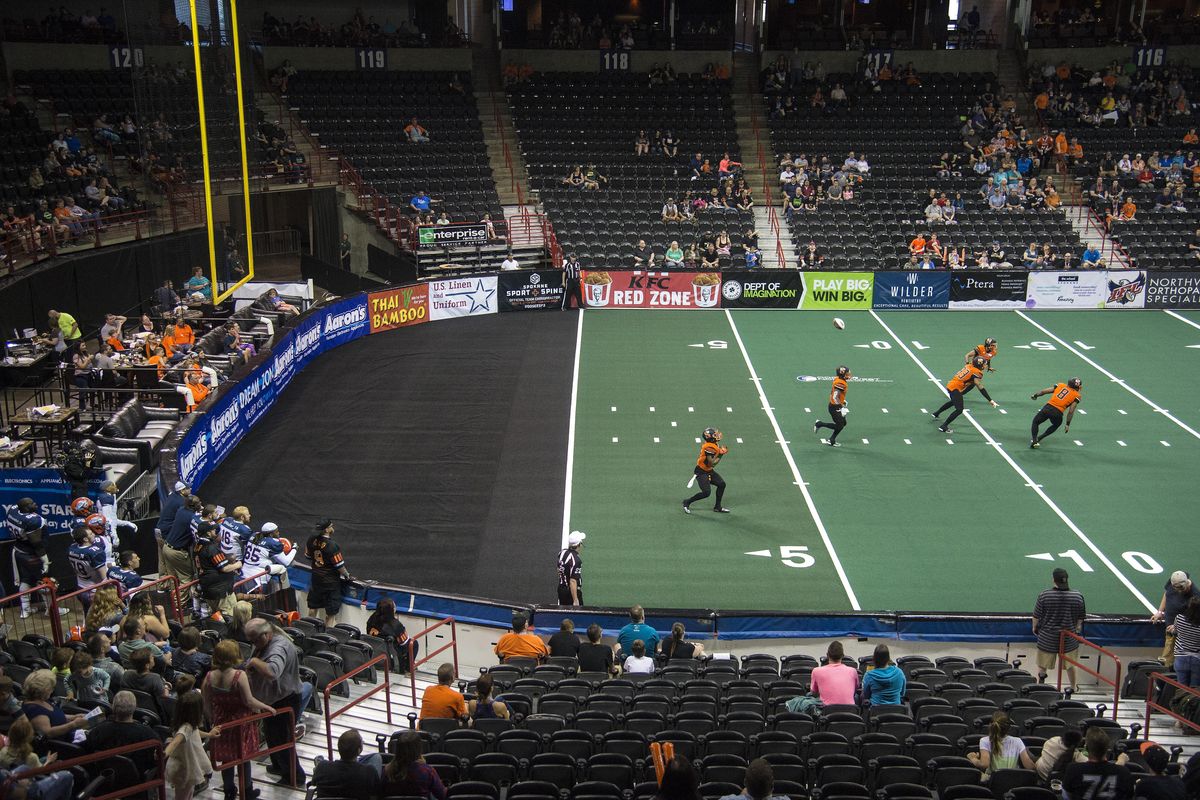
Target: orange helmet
<point>287,545</point>
<point>82,506</point>
<point>96,523</point>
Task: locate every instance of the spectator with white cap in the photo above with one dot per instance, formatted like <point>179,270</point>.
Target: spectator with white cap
<point>570,571</point>
<point>1176,594</point>
<point>170,507</point>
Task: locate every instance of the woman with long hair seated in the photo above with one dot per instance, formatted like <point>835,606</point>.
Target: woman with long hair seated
<point>407,774</point>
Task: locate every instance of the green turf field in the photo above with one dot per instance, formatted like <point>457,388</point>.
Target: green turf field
<point>901,517</point>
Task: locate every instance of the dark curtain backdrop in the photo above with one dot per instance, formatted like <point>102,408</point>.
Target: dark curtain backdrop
<point>327,230</point>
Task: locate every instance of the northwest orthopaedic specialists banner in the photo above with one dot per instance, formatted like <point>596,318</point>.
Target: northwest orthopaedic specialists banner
<point>1173,290</point>
<point>637,289</point>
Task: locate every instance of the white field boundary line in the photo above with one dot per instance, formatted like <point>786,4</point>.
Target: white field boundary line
<point>566,529</point>
<point>999,448</point>
<point>1182,318</point>
<point>1153,405</point>
<point>787,454</point>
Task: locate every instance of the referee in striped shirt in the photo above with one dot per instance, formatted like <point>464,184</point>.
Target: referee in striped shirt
<point>1058,609</point>
<point>571,274</point>
<point>570,571</point>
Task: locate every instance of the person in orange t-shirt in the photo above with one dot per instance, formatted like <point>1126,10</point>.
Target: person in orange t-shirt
<point>443,701</point>
<point>1064,398</point>
<point>917,246</point>
<point>521,643</point>
<point>1060,143</point>
<point>1128,209</point>
<point>197,386</point>
<point>185,337</point>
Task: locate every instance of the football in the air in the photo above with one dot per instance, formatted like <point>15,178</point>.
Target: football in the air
<point>837,323</point>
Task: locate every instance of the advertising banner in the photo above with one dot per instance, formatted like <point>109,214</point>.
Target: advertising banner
<point>1173,290</point>
<point>988,288</point>
<point>1126,289</point>
<point>530,291</point>
<point>462,297</point>
<point>465,235</point>
<point>761,290</point>
<point>837,291</point>
<point>212,437</point>
<point>398,308</point>
<point>912,289</point>
<point>1066,289</point>
<point>639,289</point>
<point>48,489</point>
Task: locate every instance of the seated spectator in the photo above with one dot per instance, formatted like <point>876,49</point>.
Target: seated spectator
<point>1032,257</point>
<point>1080,778</point>
<point>1128,210</point>
<point>753,257</point>
<point>187,656</point>
<point>643,256</point>
<point>1091,257</point>
<point>10,706</point>
<point>276,303</point>
<point>415,132</point>
<point>638,662</point>
<point>483,706</point>
<point>135,639</point>
<point>669,145</point>
<point>641,145</point>
<point>420,203</point>
<point>811,257</point>
<point>727,167</point>
<point>592,179</point>
<point>933,213</point>
<point>407,774</point>
<point>1058,752</point>
<point>152,616</point>
<point>999,749</point>
<point>678,648</point>
<point>99,647</point>
<point>198,287</point>
<point>917,245</point>
<point>883,683</point>
<point>565,644</point>
<point>594,656</point>
<point>139,678</point>
<point>47,718</point>
<point>120,729</point>
<point>85,681</point>
<point>636,628</point>
<point>350,776</point>
<point>1158,785</point>
<point>443,701</point>
<point>674,255</point>
<point>107,609</point>
<point>521,643</point>
<point>670,211</point>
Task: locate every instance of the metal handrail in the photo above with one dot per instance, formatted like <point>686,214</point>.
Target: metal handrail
<point>173,592</point>
<point>384,687</point>
<point>242,763</point>
<point>413,663</point>
<point>1063,660</point>
<point>1153,705</point>
<point>159,783</point>
<point>51,602</point>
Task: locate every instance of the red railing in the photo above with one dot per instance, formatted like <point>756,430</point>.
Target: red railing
<point>1153,705</point>
<point>243,763</point>
<point>158,783</point>
<point>322,170</point>
<point>767,176</point>
<point>384,687</point>
<point>171,584</point>
<point>413,663</point>
<point>29,245</point>
<point>1064,660</point>
<point>38,620</point>
<point>60,639</point>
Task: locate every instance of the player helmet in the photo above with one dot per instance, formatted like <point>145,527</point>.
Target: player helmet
<point>712,435</point>
<point>843,371</point>
<point>81,507</point>
<point>979,362</point>
<point>1075,383</point>
<point>989,343</point>
<point>286,544</point>
<point>96,523</point>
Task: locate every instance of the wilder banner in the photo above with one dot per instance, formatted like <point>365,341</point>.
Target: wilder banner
<point>761,289</point>
<point>462,297</point>
<point>988,289</point>
<point>1173,290</point>
<point>1126,289</point>
<point>837,291</point>
<point>913,289</point>
<point>1066,289</point>
<point>398,308</point>
<point>538,290</point>
<point>639,289</point>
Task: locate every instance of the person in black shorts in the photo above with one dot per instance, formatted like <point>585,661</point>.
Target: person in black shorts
<point>328,572</point>
<point>570,571</point>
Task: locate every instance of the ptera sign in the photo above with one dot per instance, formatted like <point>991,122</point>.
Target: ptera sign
<point>466,235</point>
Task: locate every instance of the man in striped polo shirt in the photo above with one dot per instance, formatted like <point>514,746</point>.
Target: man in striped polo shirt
<point>1057,609</point>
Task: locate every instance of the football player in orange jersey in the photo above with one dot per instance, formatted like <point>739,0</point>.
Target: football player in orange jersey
<point>837,406</point>
<point>711,453</point>
<point>967,378</point>
<point>1064,397</point>
<point>987,351</point>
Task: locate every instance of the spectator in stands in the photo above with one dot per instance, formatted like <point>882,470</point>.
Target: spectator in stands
<point>483,706</point>
<point>636,628</point>
<point>676,647</point>
<point>1186,647</point>
<point>917,246</point>
<point>592,179</point>
<point>753,257</point>
<point>1158,785</point>
<point>811,257</point>
<point>727,167</point>
<point>1081,779</point>
<point>594,656</point>
<point>760,783</point>
<point>638,662</point>
<point>1057,609</point>
<point>187,656</point>
<point>349,776</point>
<point>120,729</point>
<point>680,781</point>
<point>274,672</point>
<point>520,642</point>
<point>1058,752</point>
<point>19,750</point>
<point>99,647</point>
<point>999,749</point>
<point>883,683</point>
<point>443,701</point>
<point>86,682</point>
<point>674,255</point>
<point>227,697</point>
<point>198,287</point>
<point>407,774</point>
<point>643,256</point>
<point>641,145</point>
<point>140,678</point>
<point>415,132</point>
<point>669,145</point>
<point>1128,212</point>
<point>670,211</point>
<point>835,682</point>
<point>276,303</point>
<point>1178,590</point>
<point>134,639</point>
<point>152,616</point>
<point>564,643</point>
<point>420,202</point>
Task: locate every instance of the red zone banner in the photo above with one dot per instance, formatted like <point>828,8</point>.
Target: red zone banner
<point>637,289</point>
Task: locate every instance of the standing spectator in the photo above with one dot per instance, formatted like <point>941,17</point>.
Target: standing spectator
<point>188,764</point>
<point>443,701</point>
<point>1000,749</point>
<point>328,572</point>
<point>69,335</point>
<point>1057,609</point>
<point>835,682</point>
<point>1176,594</point>
<point>1097,778</point>
<point>760,783</point>
<point>349,776</point>
<point>593,656</point>
<point>227,697</point>
<point>407,774</point>
<point>565,644</point>
<point>274,671</point>
<point>521,643</point>
<point>1187,644</point>
<point>345,249</point>
<point>884,683</point>
<point>636,628</point>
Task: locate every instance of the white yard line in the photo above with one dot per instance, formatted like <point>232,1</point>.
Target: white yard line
<point>787,454</point>
<point>996,446</point>
<point>1182,318</point>
<point>1155,406</point>
<point>566,529</point>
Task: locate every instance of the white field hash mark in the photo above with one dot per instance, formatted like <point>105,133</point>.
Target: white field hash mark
<point>1037,487</point>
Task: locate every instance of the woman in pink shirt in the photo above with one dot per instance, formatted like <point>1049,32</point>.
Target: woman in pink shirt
<point>835,682</point>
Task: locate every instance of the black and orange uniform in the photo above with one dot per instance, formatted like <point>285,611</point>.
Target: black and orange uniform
<point>1063,399</point>
<point>837,408</point>
<point>707,475</point>
<point>214,568</point>
<point>966,379</point>
<point>328,567</point>
<point>985,352</point>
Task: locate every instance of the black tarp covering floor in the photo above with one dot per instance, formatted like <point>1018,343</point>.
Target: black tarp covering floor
<point>439,451</point>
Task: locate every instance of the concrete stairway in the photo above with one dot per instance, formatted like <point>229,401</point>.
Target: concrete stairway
<point>510,174</point>
<point>275,109</point>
